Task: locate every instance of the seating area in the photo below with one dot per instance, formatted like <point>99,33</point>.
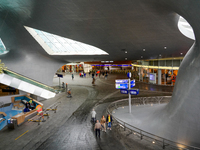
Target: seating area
<point>2,116</point>
<point>21,102</point>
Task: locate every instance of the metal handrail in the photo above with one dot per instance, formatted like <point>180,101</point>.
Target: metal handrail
<point>165,142</point>
<point>46,86</point>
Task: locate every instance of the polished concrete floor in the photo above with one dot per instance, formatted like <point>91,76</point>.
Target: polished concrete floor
<point>70,127</point>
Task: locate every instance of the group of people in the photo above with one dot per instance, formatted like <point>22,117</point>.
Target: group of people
<point>29,105</point>
<point>101,125</point>
<point>104,73</point>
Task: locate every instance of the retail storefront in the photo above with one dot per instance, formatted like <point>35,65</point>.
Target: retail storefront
<point>162,72</point>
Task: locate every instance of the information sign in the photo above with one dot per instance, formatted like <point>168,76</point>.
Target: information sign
<point>124,91</point>
<point>121,86</point>
<point>60,75</point>
<point>134,91</point>
<point>121,81</point>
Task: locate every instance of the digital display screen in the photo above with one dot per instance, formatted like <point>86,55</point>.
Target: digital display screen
<point>152,77</point>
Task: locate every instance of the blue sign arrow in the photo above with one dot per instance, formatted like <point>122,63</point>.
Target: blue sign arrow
<point>124,91</point>
<point>132,85</point>
<point>133,81</point>
<point>121,86</point>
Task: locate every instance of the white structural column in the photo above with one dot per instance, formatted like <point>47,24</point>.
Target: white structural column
<point>129,97</point>
<point>159,76</point>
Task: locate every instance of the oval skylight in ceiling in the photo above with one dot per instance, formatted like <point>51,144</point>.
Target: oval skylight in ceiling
<point>185,28</point>
<point>57,45</point>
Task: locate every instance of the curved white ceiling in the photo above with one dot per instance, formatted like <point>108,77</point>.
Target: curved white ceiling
<point>57,45</point>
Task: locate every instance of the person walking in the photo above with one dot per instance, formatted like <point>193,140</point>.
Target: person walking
<point>93,81</point>
<point>109,121</point>
<point>72,76</point>
<point>97,128</point>
<point>93,115</point>
<point>103,123</point>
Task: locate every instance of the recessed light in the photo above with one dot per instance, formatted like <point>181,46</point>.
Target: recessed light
<point>141,56</point>
<point>181,53</point>
<point>165,47</point>
<point>160,55</point>
<point>125,52</point>
<point>125,58</point>
<point>144,50</point>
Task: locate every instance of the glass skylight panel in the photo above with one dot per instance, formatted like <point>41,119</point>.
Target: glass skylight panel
<point>185,28</point>
<point>3,49</point>
<point>57,45</point>
<point>44,38</point>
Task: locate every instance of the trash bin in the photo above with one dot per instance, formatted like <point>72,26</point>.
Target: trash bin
<point>12,123</point>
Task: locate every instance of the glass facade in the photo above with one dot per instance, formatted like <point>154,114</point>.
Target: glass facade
<point>2,48</point>
<point>167,70</point>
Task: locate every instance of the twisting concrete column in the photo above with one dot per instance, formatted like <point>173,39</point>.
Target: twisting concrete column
<point>184,108</point>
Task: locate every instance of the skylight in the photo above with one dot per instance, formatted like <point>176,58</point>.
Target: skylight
<point>185,28</point>
<point>57,45</point>
<point>2,48</point>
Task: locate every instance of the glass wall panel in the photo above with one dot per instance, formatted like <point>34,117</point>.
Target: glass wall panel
<point>169,63</point>
<point>162,62</point>
<point>176,63</point>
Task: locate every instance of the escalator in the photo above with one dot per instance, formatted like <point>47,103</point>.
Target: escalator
<point>26,84</point>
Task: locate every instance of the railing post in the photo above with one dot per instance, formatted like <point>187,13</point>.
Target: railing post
<point>124,127</point>
<point>141,136</point>
<point>163,144</point>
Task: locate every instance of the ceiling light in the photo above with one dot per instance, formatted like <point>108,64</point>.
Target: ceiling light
<point>126,52</point>
<point>144,50</point>
<point>160,55</point>
<point>153,142</point>
<point>165,47</point>
<point>141,56</point>
<point>181,53</point>
<point>125,58</point>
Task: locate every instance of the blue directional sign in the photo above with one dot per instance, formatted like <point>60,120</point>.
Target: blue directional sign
<point>132,85</point>
<point>132,81</point>
<point>121,81</point>
<point>134,91</point>
<point>121,86</point>
<point>124,91</point>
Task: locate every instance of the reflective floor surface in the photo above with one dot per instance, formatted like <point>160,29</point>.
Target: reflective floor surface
<point>70,127</point>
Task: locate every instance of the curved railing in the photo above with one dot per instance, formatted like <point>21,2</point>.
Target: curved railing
<point>154,139</point>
